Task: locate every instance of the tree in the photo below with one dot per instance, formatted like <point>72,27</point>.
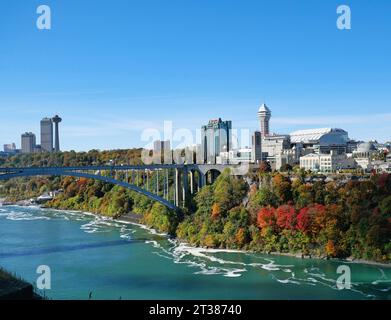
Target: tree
<point>241,237</point>
<point>204,200</point>
<point>282,187</point>
<point>161,218</point>
<point>229,191</point>
<point>265,167</point>
<point>286,217</point>
<point>304,195</point>
<point>385,206</point>
<point>216,211</point>
<point>266,217</point>
<point>330,249</point>
<point>286,168</point>
<point>304,220</point>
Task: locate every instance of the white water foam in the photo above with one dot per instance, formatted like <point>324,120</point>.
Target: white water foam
<point>22,216</point>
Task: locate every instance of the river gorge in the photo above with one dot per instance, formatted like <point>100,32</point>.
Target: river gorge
<point>97,258</point>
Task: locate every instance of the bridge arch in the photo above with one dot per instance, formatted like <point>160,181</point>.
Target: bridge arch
<point>211,175</point>
<point>77,174</point>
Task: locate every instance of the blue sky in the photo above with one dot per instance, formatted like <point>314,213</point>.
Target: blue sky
<point>114,68</point>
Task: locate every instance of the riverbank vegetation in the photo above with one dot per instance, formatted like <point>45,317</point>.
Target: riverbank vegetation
<point>267,211</point>
<point>277,214</point>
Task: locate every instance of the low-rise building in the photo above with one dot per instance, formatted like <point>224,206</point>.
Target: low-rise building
<point>363,155</point>
<point>326,162</point>
<point>11,147</point>
<point>235,156</point>
<point>381,166</point>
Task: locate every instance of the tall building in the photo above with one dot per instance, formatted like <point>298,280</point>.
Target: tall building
<point>10,147</point>
<point>274,146</point>
<point>47,135</point>
<point>56,120</point>
<point>216,137</point>
<point>256,150</point>
<point>264,115</point>
<point>28,142</point>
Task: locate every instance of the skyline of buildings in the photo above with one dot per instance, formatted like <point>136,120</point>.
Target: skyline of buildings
<point>325,150</point>
<point>29,141</point>
<point>322,149</point>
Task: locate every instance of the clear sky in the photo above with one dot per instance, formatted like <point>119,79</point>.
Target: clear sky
<point>113,68</point>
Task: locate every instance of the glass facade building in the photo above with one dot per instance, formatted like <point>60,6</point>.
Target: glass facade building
<point>47,135</point>
<point>216,137</point>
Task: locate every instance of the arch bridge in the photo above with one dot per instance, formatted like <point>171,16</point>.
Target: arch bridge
<point>168,184</point>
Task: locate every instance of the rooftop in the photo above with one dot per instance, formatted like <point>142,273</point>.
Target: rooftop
<point>263,108</point>
<point>312,134</point>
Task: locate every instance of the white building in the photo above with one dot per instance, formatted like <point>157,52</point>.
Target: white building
<point>11,147</point>
<point>326,163</point>
<point>235,156</point>
<point>363,155</point>
<point>381,166</point>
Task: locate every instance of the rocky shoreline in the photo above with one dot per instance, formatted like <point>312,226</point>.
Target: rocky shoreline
<point>130,218</point>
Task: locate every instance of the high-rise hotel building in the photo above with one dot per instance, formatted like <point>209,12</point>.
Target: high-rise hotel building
<point>216,137</point>
<point>47,135</point>
<point>28,142</point>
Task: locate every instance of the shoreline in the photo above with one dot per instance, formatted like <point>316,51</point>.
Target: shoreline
<point>135,219</point>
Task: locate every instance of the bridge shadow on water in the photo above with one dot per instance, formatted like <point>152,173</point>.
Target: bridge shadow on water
<point>56,249</point>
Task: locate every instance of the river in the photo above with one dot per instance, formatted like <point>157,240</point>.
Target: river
<point>112,260</point>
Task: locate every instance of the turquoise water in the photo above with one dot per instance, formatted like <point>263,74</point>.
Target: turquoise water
<point>123,261</point>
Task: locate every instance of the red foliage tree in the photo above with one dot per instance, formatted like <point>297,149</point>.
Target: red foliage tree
<point>286,217</point>
<point>303,220</point>
<point>266,217</point>
<point>311,218</point>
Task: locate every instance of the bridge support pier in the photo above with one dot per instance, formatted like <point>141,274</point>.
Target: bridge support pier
<point>157,182</point>
<point>191,182</point>
<point>201,180</point>
<point>177,187</point>
<point>185,187</point>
